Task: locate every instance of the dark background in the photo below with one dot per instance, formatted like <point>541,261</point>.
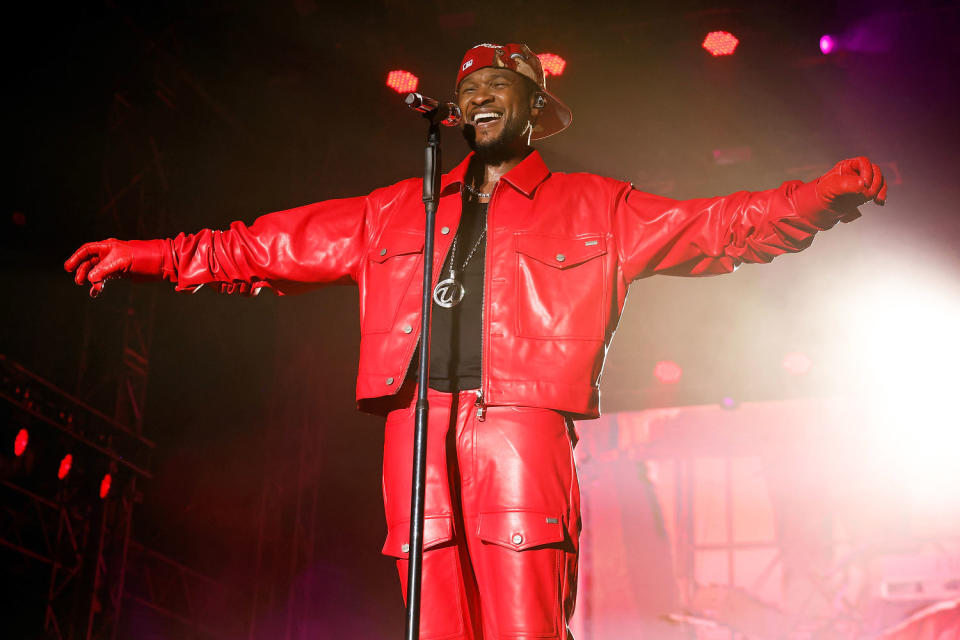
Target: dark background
<point>259,106</point>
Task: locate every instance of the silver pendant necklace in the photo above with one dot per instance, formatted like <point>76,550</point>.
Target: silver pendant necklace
<point>450,291</point>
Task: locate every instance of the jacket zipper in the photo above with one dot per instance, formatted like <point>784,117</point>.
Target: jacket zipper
<point>480,403</point>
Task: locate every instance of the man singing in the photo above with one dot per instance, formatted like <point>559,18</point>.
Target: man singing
<point>531,274</point>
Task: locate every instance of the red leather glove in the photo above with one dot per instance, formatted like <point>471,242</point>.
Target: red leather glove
<point>97,262</point>
<point>851,183</point>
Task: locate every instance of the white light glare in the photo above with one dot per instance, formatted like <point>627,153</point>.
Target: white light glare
<point>905,341</point>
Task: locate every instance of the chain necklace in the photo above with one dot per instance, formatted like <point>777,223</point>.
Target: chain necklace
<point>476,192</point>
<point>450,291</point>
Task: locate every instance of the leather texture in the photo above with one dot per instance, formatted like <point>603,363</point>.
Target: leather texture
<point>502,518</point>
<point>851,183</point>
<point>561,252</point>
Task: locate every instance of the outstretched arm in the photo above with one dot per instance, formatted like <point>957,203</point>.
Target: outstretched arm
<point>710,236</point>
<point>289,251</point>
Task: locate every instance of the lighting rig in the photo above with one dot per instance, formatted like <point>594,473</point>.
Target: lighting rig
<point>67,475</point>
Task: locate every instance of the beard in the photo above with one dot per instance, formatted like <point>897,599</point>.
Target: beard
<point>512,138</point>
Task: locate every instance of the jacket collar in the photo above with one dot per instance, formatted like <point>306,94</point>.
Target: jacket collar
<point>526,176</point>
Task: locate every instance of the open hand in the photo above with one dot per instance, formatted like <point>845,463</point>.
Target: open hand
<point>96,262</point>
<point>851,183</point>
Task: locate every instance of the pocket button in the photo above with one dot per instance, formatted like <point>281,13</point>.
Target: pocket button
<point>561,257</point>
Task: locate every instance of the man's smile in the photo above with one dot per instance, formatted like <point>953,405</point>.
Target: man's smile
<point>484,119</point>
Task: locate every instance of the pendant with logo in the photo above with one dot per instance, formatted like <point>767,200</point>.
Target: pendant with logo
<point>448,293</point>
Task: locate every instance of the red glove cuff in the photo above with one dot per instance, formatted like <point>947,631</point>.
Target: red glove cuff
<point>815,209</point>
<point>147,259</point>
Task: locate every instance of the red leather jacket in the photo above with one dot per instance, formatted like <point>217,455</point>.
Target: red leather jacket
<point>561,251</point>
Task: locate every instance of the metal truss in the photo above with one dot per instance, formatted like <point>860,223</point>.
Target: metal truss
<point>61,522</point>
<point>288,518</point>
<point>286,541</point>
<point>127,210</point>
<point>134,195</point>
<point>86,584</point>
<point>97,573</point>
<point>193,604</point>
<point>135,188</point>
<point>39,401</point>
<point>45,531</point>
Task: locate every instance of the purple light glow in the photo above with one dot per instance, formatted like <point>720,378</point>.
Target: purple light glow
<point>827,44</point>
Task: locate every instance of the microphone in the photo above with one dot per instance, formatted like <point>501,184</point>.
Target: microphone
<point>447,112</point>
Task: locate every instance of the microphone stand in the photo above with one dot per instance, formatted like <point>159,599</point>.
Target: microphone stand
<point>431,198</point>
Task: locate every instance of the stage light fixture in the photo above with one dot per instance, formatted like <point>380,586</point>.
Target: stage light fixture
<point>668,372</point>
<point>827,44</point>
<point>553,65</point>
<point>402,81</point>
<point>797,363</point>
<point>20,442</point>
<point>65,463</point>
<point>720,43</point>
<point>105,485</point>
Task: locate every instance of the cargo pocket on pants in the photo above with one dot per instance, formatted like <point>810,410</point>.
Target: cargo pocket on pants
<point>523,570</point>
<point>436,531</point>
<point>442,598</point>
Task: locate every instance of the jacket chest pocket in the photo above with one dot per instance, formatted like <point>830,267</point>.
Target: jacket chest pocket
<point>391,265</point>
<point>560,286</point>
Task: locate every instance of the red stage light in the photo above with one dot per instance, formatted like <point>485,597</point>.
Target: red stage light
<point>20,442</point>
<point>553,65</point>
<point>720,43</point>
<point>402,81</point>
<point>65,465</point>
<point>797,363</point>
<point>105,485</point>
<point>668,372</point>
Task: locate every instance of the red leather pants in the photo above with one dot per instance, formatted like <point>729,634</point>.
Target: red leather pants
<point>502,519</point>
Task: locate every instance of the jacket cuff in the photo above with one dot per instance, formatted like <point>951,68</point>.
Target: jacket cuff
<point>147,259</point>
<point>815,209</point>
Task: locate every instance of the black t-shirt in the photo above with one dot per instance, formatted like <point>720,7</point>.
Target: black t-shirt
<point>455,349</point>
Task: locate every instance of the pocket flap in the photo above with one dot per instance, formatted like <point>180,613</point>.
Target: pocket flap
<point>436,530</point>
<point>559,252</point>
<point>395,243</point>
<point>520,530</point>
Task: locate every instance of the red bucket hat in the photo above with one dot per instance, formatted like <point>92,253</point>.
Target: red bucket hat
<point>555,116</point>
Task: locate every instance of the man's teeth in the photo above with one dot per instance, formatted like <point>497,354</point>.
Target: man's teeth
<point>480,118</point>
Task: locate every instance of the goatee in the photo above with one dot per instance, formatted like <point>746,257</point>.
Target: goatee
<point>512,139</point>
